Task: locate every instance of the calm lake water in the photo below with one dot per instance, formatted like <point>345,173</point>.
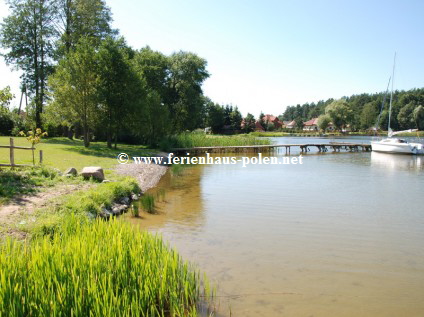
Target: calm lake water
<point>340,235</point>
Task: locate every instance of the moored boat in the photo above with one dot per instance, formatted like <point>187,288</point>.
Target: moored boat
<point>396,145</point>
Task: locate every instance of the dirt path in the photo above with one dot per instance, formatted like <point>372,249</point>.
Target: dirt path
<point>27,204</point>
<point>147,175</point>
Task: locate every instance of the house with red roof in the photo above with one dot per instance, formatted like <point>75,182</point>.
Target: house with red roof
<point>269,118</point>
<point>289,124</point>
<point>311,125</point>
<point>259,127</point>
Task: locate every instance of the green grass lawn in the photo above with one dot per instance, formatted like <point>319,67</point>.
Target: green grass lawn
<point>63,153</point>
<point>60,153</point>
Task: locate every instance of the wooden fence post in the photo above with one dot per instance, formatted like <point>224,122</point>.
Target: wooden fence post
<point>41,157</point>
<point>12,154</point>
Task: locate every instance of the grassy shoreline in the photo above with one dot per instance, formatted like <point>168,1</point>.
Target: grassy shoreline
<point>70,264</point>
<point>91,266</point>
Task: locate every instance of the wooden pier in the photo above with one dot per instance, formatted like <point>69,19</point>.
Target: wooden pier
<point>304,148</point>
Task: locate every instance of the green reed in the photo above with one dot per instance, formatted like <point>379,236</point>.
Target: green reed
<point>98,269</point>
<point>148,202</point>
<point>135,210</point>
<point>187,140</point>
<point>161,194</point>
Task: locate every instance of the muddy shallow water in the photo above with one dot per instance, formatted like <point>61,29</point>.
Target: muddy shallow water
<point>340,235</point>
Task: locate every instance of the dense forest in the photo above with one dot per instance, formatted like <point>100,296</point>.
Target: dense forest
<point>83,80</point>
<point>366,111</point>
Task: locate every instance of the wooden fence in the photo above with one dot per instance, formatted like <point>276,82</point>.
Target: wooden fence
<point>12,148</point>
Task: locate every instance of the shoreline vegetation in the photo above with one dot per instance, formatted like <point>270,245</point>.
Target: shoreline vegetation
<point>88,265</point>
<point>100,269</point>
<point>197,139</point>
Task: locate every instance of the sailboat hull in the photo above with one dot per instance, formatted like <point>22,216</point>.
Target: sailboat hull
<point>395,147</point>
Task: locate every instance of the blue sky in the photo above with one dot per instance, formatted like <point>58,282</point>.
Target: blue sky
<point>266,55</point>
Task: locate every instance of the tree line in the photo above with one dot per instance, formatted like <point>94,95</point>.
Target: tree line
<point>364,111</point>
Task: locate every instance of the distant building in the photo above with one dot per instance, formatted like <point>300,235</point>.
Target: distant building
<point>311,125</point>
<point>269,118</point>
<point>259,127</point>
<point>290,124</point>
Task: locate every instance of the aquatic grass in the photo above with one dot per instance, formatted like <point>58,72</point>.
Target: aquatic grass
<point>135,210</point>
<point>161,194</point>
<point>188,140</point>
<point>177,169</point>
<point>102,269</point>
<point>148,203</point>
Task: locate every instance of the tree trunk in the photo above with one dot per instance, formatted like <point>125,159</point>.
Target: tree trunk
<point>109,139</point>
<point>116,138</point>
<point>70,133</point>
<point>109,132</point>
<point>86,136</point>
<point>86,131</point>
<point>36,73</point>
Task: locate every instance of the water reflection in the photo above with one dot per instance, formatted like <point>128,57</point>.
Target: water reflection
<point>397,161</point>
<point>181,205</point>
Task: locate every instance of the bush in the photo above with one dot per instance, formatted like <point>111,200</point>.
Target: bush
<point>6,121</point>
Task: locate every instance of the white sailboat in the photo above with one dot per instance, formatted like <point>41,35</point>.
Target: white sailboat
<point>396,145</point>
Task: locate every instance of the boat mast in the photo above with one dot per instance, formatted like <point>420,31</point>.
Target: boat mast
<point>391,97</point>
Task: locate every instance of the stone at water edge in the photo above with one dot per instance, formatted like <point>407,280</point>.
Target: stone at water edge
<point>71,171</point>
<point>93,171</point>
<point>118,209</point>
<point>125,201</point>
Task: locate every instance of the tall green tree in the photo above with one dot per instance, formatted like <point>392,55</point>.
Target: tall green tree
<point>405,117</point>
<point>28,35</point>
<point>323,122</point>
<point>82,18</point>
<point>418,115</point>
<point>184,96</point>
<point>75,85</point>
<point>154,68</point>
<point>249,123</point>
<point>215,116</point>
<point>118,85</point>
<point>369,115</point>
<point>340,113</point>
<point>153,120</point>
<point>235,118</point>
